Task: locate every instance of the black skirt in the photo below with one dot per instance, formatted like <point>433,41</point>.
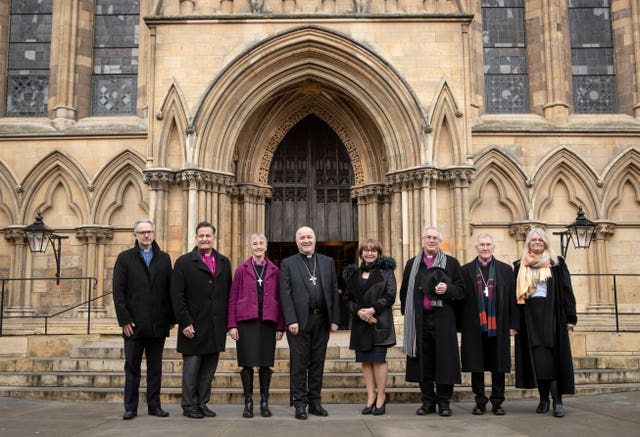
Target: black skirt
<point>543,356</point>
<point>257,344</point>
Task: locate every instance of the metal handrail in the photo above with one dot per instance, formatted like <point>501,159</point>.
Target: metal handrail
<point>92,282</point>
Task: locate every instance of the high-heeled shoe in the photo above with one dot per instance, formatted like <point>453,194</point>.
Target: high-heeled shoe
<point>369,408</point>
<point>379,411</point>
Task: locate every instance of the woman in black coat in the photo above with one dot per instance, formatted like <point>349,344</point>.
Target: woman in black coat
<point>548,305</point>
<point>369,296</point>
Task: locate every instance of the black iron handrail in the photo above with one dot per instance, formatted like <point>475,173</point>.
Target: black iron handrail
<point>92,285</point>
<point>616,310</point>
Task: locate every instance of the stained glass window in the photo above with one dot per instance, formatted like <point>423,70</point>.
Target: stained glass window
<point>28,60</point>
<point>115,57</point>
<point>594,87</point>
<point>506,77</point>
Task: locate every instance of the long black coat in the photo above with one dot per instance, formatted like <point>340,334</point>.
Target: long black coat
<point>294,289</point>
<point>506,319</point>
<point>447,361</point>
<point>201,300</point>
<point>560,309</point>
<point>141,294</point>
<point>380,293</point>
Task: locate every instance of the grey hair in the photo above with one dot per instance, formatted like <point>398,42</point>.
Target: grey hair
<point>143,220</point>
<point>257,235</point>
<point>433,228</point>
<point>545,239</point>
<point>484,235</point>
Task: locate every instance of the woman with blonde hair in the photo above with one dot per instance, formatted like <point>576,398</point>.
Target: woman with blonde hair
<point>548,312</point>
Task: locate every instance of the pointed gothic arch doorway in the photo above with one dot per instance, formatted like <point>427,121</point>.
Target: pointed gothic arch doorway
<point>311,178</point>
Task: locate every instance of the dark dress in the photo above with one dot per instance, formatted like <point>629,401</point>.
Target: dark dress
<point>378,291</point>
<point>257,343</point>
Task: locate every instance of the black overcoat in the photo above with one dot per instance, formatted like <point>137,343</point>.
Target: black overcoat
<point>294,289</point>
<point>141,294</point>
<point>447,359</point>
<point>506,319</point>
<point>379,292</point>
<point>201,299</point>
<point>560,309</point>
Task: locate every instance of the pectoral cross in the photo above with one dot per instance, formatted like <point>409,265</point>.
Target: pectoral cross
<point>313,280</point>
<point>486,291</point>
<point>260,281</point>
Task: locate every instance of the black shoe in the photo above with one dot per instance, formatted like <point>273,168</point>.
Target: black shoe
<point>426,409</point>
<point>248,409</point>
<point>318,411</point>
<point>379,411</point>
<point>479,410</point>
<point>558,410</point>
<point>128,415</point>
<point>543,406</point>
<point>369,408</point>
<point>264,410</point>
<point>301,413</point>
<point>193,413</point>
<point>498,411</point>
<point>444,410</point>
<point>158,412</point>
<point>206,412</point>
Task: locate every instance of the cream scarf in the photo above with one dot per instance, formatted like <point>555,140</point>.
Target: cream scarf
<point>526,280</point>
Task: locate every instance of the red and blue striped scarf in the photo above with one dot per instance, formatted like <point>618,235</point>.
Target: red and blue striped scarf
<point>487,315</point>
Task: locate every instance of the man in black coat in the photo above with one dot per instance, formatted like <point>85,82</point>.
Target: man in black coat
<point>141,284</point>
<point>309,296</point>
<point>200,295</point>
<point>431,285</point>
<point>488,318</point>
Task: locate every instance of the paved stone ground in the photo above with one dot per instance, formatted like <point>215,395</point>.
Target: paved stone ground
<point>611,414</point>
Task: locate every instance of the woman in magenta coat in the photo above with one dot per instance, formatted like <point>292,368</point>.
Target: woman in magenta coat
<point>255,320</point>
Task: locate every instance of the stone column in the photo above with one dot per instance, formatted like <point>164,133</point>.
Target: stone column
<point>17,294</point>
<point>94,239</point>
<point>63,51</point>
<point>159,181</point>
<point>248,202</point>
<point>601,287</point>
<point>459,179</point>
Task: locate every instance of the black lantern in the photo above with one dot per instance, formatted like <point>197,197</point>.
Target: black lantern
<point>581,232</point>
<point>38,237</point>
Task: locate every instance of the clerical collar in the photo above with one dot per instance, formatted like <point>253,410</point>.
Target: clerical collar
<point>484,264</point>
<point>203,253</point>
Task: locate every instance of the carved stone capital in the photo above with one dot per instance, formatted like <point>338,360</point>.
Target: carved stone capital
<point>423,177</point>
<point>459,176</point>
<point>159,178</point>
<point>371,192</point>
<point>604,230</point>
<point>520,230</point>
<point>94,234</point>
<point>14,234</point>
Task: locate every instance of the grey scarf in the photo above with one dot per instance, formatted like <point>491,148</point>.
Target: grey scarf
<point>409,344</point>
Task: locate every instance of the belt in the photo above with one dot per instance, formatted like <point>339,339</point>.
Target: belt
<point>316,311</point>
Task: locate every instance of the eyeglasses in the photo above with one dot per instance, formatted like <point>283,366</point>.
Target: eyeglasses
<point>430,237</point>
<point>537,240</point>
<point>143,232</point>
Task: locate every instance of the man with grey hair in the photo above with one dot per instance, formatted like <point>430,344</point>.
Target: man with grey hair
<point>142,299</point>
<point>431,285</point>
<point>488,318</point>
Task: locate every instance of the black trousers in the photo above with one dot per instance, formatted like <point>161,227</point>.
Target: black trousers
<point>490,360</point>
<point>133,351</point>
<point>308,351</point>
<point>432,392</point>
<point>197,374</point>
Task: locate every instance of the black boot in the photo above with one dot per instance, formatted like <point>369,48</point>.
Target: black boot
<point>246,374</point>
<point>543,390</point>
<point>558,409</point>
<point>265,381</point>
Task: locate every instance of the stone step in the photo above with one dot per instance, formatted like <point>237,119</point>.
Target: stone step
<point>346,381</point>
<point>281,395</point>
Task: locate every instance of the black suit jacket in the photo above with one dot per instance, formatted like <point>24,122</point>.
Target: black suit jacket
<point>294,289</point>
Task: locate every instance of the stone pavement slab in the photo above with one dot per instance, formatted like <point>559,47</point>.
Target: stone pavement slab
<point>611,414</point>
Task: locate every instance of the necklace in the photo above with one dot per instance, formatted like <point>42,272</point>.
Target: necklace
<point>486,287</point>
<point>260,281</point>
<point>312,276</point>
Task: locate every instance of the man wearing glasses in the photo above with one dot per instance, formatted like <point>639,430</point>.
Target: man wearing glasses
<point>141,295</point>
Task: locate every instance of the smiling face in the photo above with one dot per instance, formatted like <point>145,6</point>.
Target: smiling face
<point>369,254</point>
<point>485,248</point>
<point>258,248</point>
<point>431,241</point>
<point>205,238</point>
<point>144,234</point>
<point>536,244</point>
<point>306,241</point>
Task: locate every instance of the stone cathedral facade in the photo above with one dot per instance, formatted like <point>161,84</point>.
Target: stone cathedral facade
<point>363,118</point>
